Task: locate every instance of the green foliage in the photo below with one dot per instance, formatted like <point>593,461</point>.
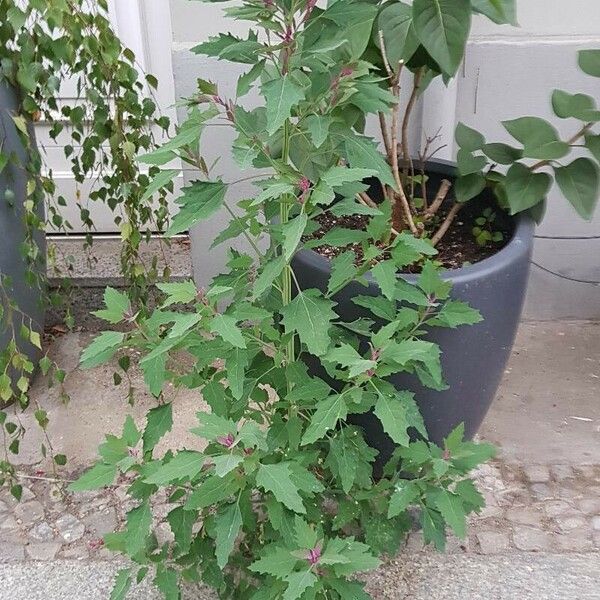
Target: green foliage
<point>282,502</point>
<point>525,186</point>
<point>108,122</point>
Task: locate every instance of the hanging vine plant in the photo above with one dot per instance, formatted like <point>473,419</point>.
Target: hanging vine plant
<point>45,44</point>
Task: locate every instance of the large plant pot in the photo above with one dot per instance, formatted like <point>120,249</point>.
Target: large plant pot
<point>473,357</point>
<point>27,297</point>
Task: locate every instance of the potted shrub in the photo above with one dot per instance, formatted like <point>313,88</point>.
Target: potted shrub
<point>288,350</point>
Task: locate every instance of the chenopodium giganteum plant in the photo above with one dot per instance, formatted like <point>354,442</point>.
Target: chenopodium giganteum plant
<point>283,502</point>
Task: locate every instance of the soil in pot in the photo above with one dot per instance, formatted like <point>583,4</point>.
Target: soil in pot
<point>459,246</point>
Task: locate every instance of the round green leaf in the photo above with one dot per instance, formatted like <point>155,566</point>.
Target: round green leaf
<point>579,182</point>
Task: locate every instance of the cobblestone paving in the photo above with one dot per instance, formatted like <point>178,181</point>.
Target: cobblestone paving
<point>530,508</point>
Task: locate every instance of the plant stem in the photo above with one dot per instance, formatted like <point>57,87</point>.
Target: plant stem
<point>439,199</point>
<point>401,196</point>
<point>385,136</point>
<point>284,215</point>
<point>446,223</point>
<point>408,165</point>
<point>570,141</point>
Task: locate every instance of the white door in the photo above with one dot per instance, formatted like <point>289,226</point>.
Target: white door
<point>145,27</point>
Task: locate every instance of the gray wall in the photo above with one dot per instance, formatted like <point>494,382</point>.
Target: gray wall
<point>508,72</point>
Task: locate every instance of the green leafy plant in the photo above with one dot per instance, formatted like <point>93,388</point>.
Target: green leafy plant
<point>43,44</point>
<point>484,232</point>
<point>282,502</point>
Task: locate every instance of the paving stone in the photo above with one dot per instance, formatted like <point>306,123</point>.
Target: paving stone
<point>588,471</point>
<point>163,533</point>
<point>530,539</point>
<point>542,491</point>
<point>76,552</point>
<point>589,505</point>
<point>42,532</point>
<point>578,540</point>
<point>554,508</point>
<point>29,512</point>
<point>101,523</point>
<point>492,542</point>
<point>562,472</point>
<point>7,524</point>
<point>537,473</point>
<point>11,551</point>
<point>596,523</point>
<point>570,522</point>
<point>70,528</point>
<point>524,515</point>
<point>43,551</point>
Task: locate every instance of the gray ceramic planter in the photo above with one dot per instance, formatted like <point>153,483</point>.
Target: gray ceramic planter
<point>28,298</point>
<point>473,357</point>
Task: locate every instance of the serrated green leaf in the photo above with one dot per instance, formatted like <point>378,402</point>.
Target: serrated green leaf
<point>246,80</point>
<point>214,489</point>
<point>267,276</point>
<point>117,304</point>
<point>405,493</point>
<point>101,349</point>
<point>198,202</point>
<point>100,475</point>
<point>225,326</point>
<point>433,528</point>
<point>343,270</point>
<point>182,522</point>
<point>185,464</point>
<point>326,416</point>
<point>390,410</point>
<point>310,315</point>
<point>337,176</point>
<point>277,478</point>
<point>178,292</point>
<point>275,560</point>
<point>121,585</point>
<point>225,463</point>
<point>348,357</point>
<point>306,534</point>
<point>451,507</point>
<point>298,583</point>
<point>386,274</point>
<point>281,95</point>
<point>159,181</point>
<point>139,520</point>
<point>455,313</point>
<point>228,523</point>
<point>292,233</point>
<point>318,127</point>
<point>158,422</point>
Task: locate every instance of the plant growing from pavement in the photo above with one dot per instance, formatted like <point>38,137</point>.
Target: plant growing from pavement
<point>282,502</point>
